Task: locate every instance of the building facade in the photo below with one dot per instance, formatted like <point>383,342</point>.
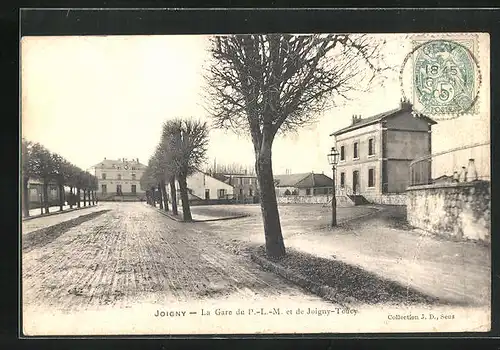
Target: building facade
<point>306,184</point>
<point>202,186</point>
<point>119,177</point>
<point>245,186</point>
<point>35,190</point>
<point>375,153</point>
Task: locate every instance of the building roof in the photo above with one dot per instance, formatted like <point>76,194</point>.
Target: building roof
<point>315,180</point>
<point>379,117</point>
<point>220,177</point>
<point>303,180</point>
<point>108,163</point>
<point>213,177</point>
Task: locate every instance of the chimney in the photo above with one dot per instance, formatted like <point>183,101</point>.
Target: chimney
<point>355,118</point>
<point>405,104</point>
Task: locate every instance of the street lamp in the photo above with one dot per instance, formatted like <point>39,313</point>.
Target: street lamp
<point>333,159</point>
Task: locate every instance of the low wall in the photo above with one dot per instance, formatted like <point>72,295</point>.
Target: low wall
<point>387,199</point>
<point>342,201</point>
<point>456,210</point>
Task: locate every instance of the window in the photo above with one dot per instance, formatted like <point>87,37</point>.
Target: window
<point>133,176</point>
<point>356,155</point>
<point>246,181</point>
<point>308,192</point>
<point>133,168</point>
<point>134,189</point>
<point>118,189</point>
<point>250,192</point>
<point>371,177</point>
<point>222,193</point>
<point>119,176</point>
<point>207,193</point>
<point>342,179</point>
<point>371,150</point>
<point>103,176</point>
<point>342,153</point>
<point>104,189</point>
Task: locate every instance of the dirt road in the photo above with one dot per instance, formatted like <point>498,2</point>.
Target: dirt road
<point>132,253</point>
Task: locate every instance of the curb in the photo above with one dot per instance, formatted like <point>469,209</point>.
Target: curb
<point>321,290</point>
<point>170,216</point>
<point>27,243</point>
<point>56,212</point>
<point>163,212</point>
<point>225,218</point>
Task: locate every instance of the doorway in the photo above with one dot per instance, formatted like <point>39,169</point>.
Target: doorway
<point>355,182</point>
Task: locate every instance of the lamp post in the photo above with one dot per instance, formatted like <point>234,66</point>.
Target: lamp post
<point>333,159</point>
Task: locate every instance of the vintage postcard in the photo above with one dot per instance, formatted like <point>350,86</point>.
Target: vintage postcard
<point>255,184</point>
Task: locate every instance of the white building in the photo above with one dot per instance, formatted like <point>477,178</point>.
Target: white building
<point>119,177</point>
<point>204,186</point>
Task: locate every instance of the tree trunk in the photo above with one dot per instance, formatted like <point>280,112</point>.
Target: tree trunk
<point>275,247</point>
<point>71,197</point>
<point>93,197</point>
<point>173,196</point>
<point>153,197</point>
<point>164,194</point>
<point>160,196</point>
<point>78,199</point>
<point>186,211</point>
<point>84,197</point>
<point>46,197</point>
<point>61,197</point>
<point>26,197</point>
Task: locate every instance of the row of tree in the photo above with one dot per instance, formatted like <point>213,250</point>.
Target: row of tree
<point>50,168</point>
<point>180,152</point>
<point>229,169</point>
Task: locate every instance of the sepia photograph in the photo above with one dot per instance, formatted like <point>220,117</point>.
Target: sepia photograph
<point>255,184</point>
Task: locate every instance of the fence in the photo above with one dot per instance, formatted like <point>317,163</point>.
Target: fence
<point>460,164</point>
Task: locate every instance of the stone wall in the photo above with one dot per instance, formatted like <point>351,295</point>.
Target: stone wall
<point>457,210</point>
<point>387,199</point>
<point>342,201</point>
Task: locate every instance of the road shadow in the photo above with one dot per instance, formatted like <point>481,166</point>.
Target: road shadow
<point>45,235</point>
<point>349,284</point>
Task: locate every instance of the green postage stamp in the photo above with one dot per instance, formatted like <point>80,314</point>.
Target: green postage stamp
<point>445,76</point>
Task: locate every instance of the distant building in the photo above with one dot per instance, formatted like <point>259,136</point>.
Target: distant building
<point>35,188</point>
<point>375,152</point>
<point>245,185</point>
<point>306,184</point>
<point>202,186</point>
<point>119,177</point>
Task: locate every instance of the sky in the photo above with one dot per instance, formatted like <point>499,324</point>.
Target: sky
<point>92,97</point>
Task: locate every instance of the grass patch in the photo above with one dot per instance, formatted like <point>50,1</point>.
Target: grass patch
<point>339,282</point>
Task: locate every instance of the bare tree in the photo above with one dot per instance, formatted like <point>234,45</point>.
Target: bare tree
<point>186,142</point>
<point>262,84</point>
<point>230,168</point>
